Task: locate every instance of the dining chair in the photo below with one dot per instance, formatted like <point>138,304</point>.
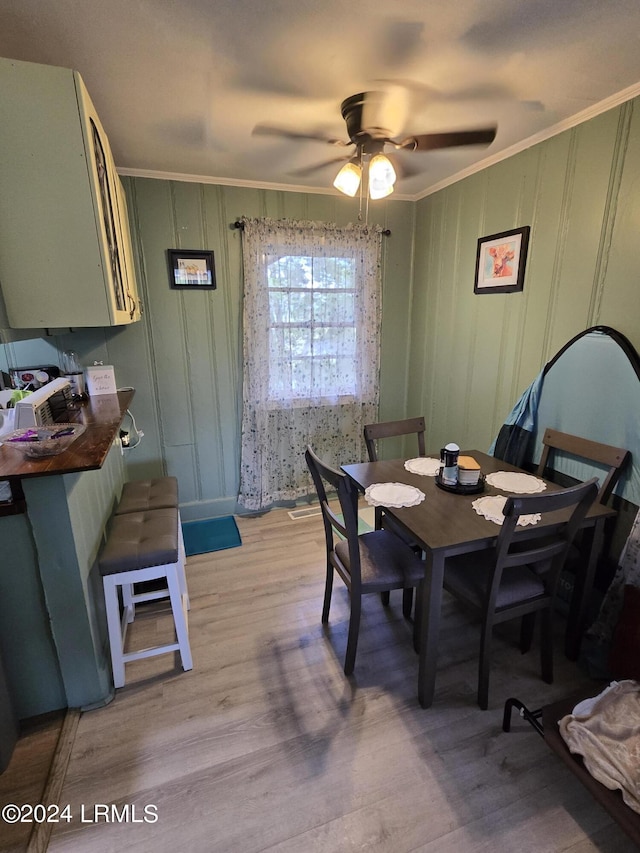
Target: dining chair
<point>613,459</point>
<point>370,562</point>
<point>393,429</point>
<point>518,577</point>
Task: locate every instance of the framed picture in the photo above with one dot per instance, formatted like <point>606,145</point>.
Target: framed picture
<point>500,261</point>
<point>191,269</point>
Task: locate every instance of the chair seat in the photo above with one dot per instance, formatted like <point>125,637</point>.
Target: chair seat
<point>385,561</point>
<point>141,495</point>
<point>467,575</point>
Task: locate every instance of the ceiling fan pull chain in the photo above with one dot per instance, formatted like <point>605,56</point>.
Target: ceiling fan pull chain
<point>360,192</point>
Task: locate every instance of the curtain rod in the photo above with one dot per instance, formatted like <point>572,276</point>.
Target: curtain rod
<point>240,224</point>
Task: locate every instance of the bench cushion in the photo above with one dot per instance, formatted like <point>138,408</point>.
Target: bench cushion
<point>140,495</point>
<point>137,540</point>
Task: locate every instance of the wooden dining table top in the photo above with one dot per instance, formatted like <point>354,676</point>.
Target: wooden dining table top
<point>446,521</point>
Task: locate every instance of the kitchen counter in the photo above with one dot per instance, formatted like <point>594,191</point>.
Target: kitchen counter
<point>102,416</point>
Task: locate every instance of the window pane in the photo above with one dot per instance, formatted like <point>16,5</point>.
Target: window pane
<point>334,340</point>
<point>312,326</point>
<point>332,307</point>
<point>289,307</point>
<point>290,272</point>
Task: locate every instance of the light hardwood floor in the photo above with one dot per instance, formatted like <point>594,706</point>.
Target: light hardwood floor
<point>266,746</point>
<point>24,780</point>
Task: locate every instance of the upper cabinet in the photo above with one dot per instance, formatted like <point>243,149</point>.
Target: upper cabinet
<point>65,248</point>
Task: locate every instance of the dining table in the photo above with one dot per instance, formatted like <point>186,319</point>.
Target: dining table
<point>445,523</point>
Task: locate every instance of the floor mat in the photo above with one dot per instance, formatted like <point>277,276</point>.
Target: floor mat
<point>210,534</point>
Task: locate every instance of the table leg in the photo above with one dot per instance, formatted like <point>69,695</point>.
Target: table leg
<point>430,626</point>
<point>583,585</point>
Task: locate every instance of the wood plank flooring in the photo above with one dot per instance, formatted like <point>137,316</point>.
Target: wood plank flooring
<point>266,746</point>
<point>24,780</point>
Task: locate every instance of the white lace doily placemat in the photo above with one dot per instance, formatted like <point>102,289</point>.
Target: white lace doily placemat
<point>426,465</point>
<point>491,506</point>
<point>514,481</point>
<point>393,495</point>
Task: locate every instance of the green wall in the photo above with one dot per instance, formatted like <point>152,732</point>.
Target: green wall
<point>186,362</point>
<point>471,356</point>
<point>460,359</point>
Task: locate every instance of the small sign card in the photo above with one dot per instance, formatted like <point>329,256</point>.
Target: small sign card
<point>100,380</point>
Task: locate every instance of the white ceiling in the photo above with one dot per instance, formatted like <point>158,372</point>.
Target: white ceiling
<point>180,84</point>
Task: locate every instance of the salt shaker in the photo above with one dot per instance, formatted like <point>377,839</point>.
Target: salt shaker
<point>449,467</point>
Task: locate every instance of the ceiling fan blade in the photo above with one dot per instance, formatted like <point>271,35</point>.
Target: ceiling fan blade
<point>451,139</point>
<point>286,133</point>
<point>309,170</point>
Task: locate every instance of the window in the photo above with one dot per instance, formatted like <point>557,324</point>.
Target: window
<point>311,329</point>
<point>313,334</point>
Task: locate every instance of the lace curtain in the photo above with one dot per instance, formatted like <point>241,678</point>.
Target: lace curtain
<point>311,351</point>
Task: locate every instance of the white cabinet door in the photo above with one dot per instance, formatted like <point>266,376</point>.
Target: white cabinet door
<point>63,243</point>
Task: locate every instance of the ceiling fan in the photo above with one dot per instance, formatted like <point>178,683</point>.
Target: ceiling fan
<point>374,121</point>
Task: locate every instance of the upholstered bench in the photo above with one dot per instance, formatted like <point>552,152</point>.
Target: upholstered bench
<point>155,493</point>
<point>143,546</point>
<point>142,495</point>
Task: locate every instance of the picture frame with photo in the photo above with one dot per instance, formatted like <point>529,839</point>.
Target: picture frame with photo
<point>191,269</point>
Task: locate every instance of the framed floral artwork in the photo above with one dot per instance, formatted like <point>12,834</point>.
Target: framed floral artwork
<point>501,260</point>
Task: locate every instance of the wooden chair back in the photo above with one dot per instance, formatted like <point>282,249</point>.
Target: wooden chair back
<point>604,454</point>
<point>345,526</point>
<point>392,429</point>
<point>537,552</point>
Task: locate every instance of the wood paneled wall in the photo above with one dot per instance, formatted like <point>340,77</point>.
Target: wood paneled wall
<point>471,356</point>
<point>187,365</point>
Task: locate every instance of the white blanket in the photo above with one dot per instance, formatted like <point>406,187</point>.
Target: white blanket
<point>605,731</point>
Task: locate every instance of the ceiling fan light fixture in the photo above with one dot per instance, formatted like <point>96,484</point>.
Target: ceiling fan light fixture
<point>348,179</point>
<point>382,176</point>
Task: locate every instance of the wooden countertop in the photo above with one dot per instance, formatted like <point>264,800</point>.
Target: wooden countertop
<point>102,416</point>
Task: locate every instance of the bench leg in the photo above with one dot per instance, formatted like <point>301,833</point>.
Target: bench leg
<point>114,626</point>
<point>179,607</point>
<point>182,561</point>
<point>128,600</point>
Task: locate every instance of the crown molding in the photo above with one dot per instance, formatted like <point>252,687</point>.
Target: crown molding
<point>566,124</point>
<point>236,182</point>
<point>225,182</point>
